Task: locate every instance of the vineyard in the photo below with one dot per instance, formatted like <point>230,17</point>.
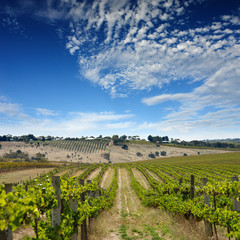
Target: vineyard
<point>58,204</point>
<point>82,146</point>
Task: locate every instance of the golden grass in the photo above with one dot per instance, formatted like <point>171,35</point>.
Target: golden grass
<point>219,158</point>
<point>22,175</point>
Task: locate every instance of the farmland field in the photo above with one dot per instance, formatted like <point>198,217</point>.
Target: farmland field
<point>139,199</point>
<point>22,175</point>
<point>91,152</point>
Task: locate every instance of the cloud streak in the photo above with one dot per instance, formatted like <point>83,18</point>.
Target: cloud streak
<point>139,45</point>
<point>221,89</point>
<point>45,112</point>
<point>185,124</point>
<point>13,120</point>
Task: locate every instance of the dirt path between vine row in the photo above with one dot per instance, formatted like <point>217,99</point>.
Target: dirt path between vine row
<point>141,178</point>
<point>129,219</point>
<point>154,175</point>
<point>107,178</point>
<point>78,173</point>
<point>93,174</point>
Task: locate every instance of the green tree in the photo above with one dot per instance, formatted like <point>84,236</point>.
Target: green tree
<point>115,139</point>
<point>31,137</point>
<point>150,138</point>
<point>158,139</point>
<point>123,137</point>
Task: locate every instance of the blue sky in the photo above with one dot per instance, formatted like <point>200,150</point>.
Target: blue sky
<point>81,68</point>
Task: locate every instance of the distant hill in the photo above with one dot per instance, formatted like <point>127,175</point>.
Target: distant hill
<point>235,140</point>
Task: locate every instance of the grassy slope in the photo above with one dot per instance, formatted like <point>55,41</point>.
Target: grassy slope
<point>221,158</point>
<point>197,147</point>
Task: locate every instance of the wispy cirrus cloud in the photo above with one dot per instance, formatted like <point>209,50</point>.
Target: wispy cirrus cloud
<point>99,117</point>
<point>221,89</point>
<point>167,97</point>
<point>124,46</point>
<point>46,112</point>
<point>8,108</point>
<point>13,119</point>
<point>184,124</point>
<point>12,24</point>
<point>138,47</point>
<point>214,105</point>
<point>188,123</point>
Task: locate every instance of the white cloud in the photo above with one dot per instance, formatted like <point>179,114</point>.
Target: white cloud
<point>122,64</point>
<point>99,117</point>
<point>212,107</point>
<point>235,20</point>
<point>185,125</point>
<point>117,41</point>
<point>166,97</point>
<point>11,109</point>
<point>45,112</point>
<point>221,89</point>
<point>13,120</point>
<point>13,25</point>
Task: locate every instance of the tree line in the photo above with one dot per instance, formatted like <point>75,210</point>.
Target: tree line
<point>119,140</point>
<point>158,139</point>
<point>196,143</point>
<point>24,138</point>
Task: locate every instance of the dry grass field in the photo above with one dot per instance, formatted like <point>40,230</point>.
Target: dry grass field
<point>117,154</point>
<point>22,175</point>
<point>51,153</point>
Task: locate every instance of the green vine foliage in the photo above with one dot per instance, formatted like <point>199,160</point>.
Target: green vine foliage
<point>34,207</point>
<point>175,198</point>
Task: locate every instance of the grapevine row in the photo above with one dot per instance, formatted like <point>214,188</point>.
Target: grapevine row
<point>82,146</point>
<point>176,198</point>
<point>34,207</point>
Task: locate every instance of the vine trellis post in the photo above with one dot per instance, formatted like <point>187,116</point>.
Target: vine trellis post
<point>208,226</point>
<point>84,224</point>
<point>192,187</point>
<point>56,212</point>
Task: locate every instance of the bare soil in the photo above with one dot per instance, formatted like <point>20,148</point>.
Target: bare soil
<point>141,178</point>
<point>22,175</point>
<point>23,232</point>
<point>117,154</point>
<point>129,219</point>
<point>93,174</point>
<point>78,173</point>
<point>107,178</point>
<point>51,153</point>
